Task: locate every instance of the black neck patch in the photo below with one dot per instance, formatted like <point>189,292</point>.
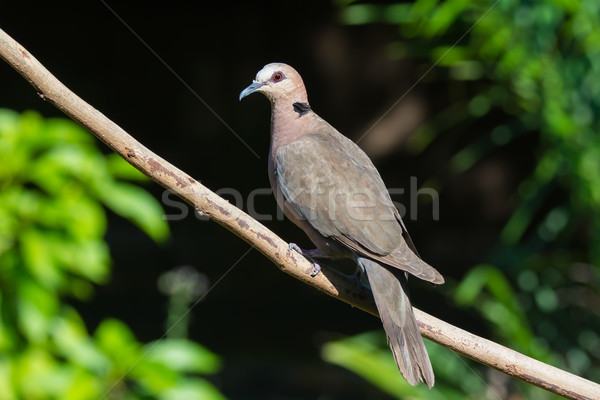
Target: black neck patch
<point>301,108</point>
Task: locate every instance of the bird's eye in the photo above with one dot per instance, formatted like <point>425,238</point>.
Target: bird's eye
<point>277,77</point>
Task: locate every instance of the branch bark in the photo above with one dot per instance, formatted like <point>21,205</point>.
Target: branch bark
<point>235,220</point>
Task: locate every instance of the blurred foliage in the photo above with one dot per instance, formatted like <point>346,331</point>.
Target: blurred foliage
<point>54,185</point>
<point>521,69</point>
<point>368,355</point>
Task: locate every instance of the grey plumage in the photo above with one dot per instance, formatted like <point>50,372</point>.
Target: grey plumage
<point>330,188</point>
<point>399,323</point>
<point>328,180</point>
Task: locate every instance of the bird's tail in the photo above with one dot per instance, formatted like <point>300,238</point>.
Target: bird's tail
<point>399,322</point>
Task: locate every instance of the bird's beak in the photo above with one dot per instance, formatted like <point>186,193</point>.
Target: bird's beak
<point>254,86</point>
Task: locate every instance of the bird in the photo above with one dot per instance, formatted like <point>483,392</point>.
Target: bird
<point>329,187</point>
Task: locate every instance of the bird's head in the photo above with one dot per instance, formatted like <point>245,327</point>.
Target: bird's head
<point>278,81</point>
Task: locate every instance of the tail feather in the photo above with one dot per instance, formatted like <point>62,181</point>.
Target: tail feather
<point>399,322</point>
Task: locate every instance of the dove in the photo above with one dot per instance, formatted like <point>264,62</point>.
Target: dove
<point>328,186</point>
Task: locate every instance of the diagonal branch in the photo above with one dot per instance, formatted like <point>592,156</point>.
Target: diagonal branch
<point>235,220</point>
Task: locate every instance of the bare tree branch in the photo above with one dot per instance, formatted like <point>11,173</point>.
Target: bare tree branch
<point>219,210</point>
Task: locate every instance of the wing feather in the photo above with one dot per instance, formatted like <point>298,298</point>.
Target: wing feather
<point>329,181</point>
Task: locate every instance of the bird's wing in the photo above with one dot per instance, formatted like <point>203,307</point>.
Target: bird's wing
<point>328,180</point>
<point>339,196</point>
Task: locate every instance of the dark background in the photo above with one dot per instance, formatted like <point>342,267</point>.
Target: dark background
<point>267,327</point>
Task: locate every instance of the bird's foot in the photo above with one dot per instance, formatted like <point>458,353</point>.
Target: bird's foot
<point>316,269</point>
<point>313,253</point>
<point>310,255</point>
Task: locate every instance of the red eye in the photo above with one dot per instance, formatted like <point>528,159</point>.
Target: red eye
<point>277,77</point>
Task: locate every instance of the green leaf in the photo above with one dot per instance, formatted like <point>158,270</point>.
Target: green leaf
<point>38,374</point>
<point>7,370</point>
<point>445,14</point>
<point>38,260</point>
<point>360,14</point>
<point>64,131</point>
<point>83,385</point>
<point>87,258</point>
<point>121,169</point>
<point>9,121</point>
<point>75,214</point>
<point>72,341</point>
<point>153,377</point>
<point>472,285</point>
<point>137,205</point>
<point>193,388</point>
<point>183,355</point>
<point>36,307</point>
<point>117,342</point>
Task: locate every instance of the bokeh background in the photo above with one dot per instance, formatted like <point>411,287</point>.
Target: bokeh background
<point>493,105</point>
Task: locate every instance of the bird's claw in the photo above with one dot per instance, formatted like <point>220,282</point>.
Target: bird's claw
<point>316,269</point>
<point>306,254</point>
<point>296,248</point>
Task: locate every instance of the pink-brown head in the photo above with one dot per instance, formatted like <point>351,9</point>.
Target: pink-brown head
<point>278,81</point>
